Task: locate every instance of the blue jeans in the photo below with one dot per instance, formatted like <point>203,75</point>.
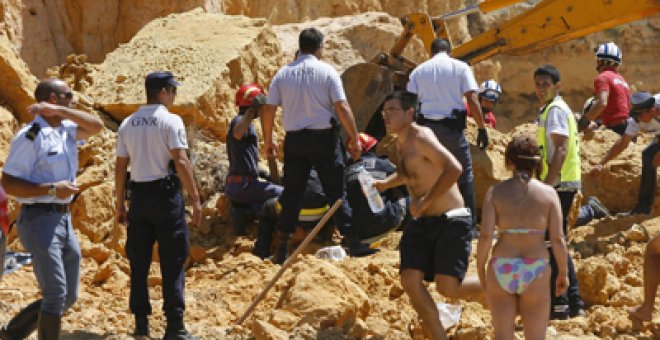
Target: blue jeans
<point>49,236</point>
<point>454,140</point>
<point>648,183</point>
<point>585,215</point>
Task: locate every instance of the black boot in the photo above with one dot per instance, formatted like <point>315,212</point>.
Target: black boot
<point>282,252</point>
<point>357,248</point>
<point>176,330</point>
<point>49,326</point>
<point>23,324</point>
<point>141,325</point>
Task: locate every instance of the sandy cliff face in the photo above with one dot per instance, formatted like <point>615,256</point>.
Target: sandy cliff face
<point>45,32</point>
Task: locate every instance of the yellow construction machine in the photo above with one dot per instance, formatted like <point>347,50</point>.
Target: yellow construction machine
<point>548,23</point>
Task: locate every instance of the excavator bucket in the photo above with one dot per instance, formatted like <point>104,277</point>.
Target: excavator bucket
<point>366,86</point>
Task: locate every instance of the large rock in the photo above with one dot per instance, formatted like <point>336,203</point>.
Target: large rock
<point>338,305</point>
<point>292,11</point>
<point>592,275</point>
<point>93,207</point>
<point>45,32</point>
<point>352,39</point>
<point>617,186</point>
<point>210,54</point>
<point>17,83</point>
<point>8,127</point>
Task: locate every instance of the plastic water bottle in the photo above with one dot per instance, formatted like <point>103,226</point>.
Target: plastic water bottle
<point>373,196</point>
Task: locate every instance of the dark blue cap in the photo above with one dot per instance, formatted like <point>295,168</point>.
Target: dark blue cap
<point>640,102</point>
<point>160,79</point>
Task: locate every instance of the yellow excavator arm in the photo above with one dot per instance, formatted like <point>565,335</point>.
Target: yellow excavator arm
<point>548,23</point>
<point>552,22</point>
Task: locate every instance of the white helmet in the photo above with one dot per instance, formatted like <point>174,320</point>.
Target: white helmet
<point>609,51</point>
<point>490,90</point>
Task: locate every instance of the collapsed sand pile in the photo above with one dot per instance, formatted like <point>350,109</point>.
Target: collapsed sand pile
<point>210,54</point>
<point>353,299</point>
<point>356,298</point>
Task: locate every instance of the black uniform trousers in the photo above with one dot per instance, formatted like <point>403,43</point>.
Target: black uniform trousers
<point>156,213</point>
<point>323,150</point>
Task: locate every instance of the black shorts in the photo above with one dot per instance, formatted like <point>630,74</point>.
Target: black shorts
<point>437,245</point>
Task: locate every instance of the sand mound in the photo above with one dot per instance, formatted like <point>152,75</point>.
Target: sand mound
<point>210,54</point>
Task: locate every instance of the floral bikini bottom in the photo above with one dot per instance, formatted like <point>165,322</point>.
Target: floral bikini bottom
<point>514,274</point>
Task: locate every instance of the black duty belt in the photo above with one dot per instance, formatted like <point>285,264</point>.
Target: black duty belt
<point>455,121</point>
<point>57,207</point>
<point>311,131</point>
<point>171,182</point>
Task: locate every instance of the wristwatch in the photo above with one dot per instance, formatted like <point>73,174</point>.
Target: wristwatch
<point>52,190</point>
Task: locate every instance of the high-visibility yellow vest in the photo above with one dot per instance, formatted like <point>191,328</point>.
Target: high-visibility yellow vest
<point>570,174</point>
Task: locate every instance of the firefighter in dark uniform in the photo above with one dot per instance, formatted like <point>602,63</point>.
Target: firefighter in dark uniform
<point>153,141</point>
<point>373,225</point>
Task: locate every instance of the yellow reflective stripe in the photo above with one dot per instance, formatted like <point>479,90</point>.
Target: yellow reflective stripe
<point>306,213</point>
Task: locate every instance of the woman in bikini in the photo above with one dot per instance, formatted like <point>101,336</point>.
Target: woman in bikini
<point>517,277</point>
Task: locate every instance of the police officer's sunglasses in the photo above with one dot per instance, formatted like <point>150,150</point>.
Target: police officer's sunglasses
<point>67,95</point>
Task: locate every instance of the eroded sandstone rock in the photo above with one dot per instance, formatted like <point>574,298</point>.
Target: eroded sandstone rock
<point>210,54</point>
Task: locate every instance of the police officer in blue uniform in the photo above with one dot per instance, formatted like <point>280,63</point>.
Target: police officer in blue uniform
<point>40,172</point>
<point>151,140</point>
<point>312,98</point>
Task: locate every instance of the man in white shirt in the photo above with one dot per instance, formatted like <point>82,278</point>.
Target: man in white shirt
<point>441,83</point>
<point>557,137</point>
<point>40,171</point>
<point>312,98</point>
<point>644,117</point>
<point>154,142</point>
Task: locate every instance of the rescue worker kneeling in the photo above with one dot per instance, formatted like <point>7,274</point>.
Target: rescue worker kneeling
<point>314,205</point>
<point>371,225</point>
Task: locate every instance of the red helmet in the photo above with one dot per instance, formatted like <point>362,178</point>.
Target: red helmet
<point>247,92</point>
<point>366,141</point>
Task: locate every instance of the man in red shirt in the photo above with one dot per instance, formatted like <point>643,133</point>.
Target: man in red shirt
<point>611,92</point>
<point>489,94</point>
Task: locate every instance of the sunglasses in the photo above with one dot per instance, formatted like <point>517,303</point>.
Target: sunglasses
<point>67,95</point>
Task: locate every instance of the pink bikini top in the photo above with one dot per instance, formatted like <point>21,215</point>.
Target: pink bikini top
<point>522,231</point>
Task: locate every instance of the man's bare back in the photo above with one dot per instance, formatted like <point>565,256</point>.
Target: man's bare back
<point>423,161</point>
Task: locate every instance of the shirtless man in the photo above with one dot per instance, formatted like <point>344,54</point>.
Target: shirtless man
<point>435,245</point>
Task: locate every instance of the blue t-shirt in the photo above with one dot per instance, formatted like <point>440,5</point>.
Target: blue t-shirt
<point>243,153</point>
